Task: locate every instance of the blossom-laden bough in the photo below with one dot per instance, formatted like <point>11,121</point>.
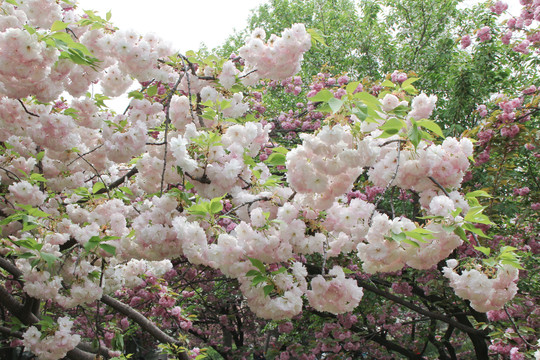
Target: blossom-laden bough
<point>98,206</point>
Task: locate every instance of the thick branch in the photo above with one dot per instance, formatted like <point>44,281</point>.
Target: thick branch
<point>143,322</point>
<point>119,181</point>
<point>10,267</point>
<point>433,315</point>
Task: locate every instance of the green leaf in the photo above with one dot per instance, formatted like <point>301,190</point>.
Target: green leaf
<point>323,95</point>
<point>410,89</point>
<point>201,209</point>
<point>399,237</point>
<point>136,95</point>
<point>484,250</point>
<point>411,242</point>
<point>31,30</point>
<point>432,126</point>
<point>108,15</point>
<point>477,193</point>
<point>352,86</point>
<point>58,26</point>
<point>461,233</point>
<point>257,280</point>
<point>474,229</point>
<point>276,159</point>
<point>216,206</point>
<point>281,150</point>
<point>268,289</point>
<point>361,111</point>
<point>29,243</point>
<point>126,190</point>
<point>335,104</point>
<point>97,186</point>
<point>409,81</point>
<point>392,125</point>
<point>317,36</point>
<point>258,264</point>
<point>418,236</point>
<point>108,248</point>
<point>368,99</point>
<point>281,270</point>
<point>50,259</point>
<point>388,83</point>
<point>63,37</point>
<point>152,90</point>
<point>506,249</point>
<point>414,135</point>
<point>515,264</point>
<point>253,273</point>
<point>225,104</point>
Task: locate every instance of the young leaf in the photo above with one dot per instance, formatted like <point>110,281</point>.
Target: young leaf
<point>268,289</point>
<point>253,273</point>
<point>216,206</point>
<point>108,248</point>
<point>323,95</point>
<point>58,26</point>
<point>431,126</point>
<point>97,186</point>
<point>257,280</point>
<point>368,99</point>
<point>335,104</point>
<point>317,36</point>
<point>49,258</point>
<point>258,264</point>
<point>484,250</point>
<point>152,90</point>
<point>276,159</point>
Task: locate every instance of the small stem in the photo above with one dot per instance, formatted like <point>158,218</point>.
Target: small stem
<point>86,153</point>
<point>517,330</point>
<point>25,109</point>
<point>389,183</point>
<point>167,122</point>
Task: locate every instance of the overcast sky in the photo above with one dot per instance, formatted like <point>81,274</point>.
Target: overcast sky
<point>188,23</point>
<point>184,23</point>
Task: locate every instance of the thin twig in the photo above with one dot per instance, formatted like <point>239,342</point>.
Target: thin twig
<point>86,153</point>
<point>119,181</point>
<point>247,74</point>
<point>264,198</point>
<point>323,271</point>
<point>389,184</point>
<point>186,73</point>
<point>142,89</point>
<point>26,110</point>
<point>98,175</point>
<point>529,345</point>
<point>391,141</point>
<point>167,122</point>
<point>438,185</point>
<point>10,172</point>
<point>161,143</point>
<point>448,195</point>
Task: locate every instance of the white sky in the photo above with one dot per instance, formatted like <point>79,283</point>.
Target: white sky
<point>187,23</point>
<point>184,23</point>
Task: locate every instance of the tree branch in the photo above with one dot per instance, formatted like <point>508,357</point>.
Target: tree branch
<point>433,315</point>
<point>143,322</point>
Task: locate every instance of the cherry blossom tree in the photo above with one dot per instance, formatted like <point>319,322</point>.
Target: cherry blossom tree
<point>195,221</point>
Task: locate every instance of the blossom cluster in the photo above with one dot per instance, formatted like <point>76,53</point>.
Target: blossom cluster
<point>325,166</point>
<point>484,293</point>
<point>277,59</point>
<point>51,346</point>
